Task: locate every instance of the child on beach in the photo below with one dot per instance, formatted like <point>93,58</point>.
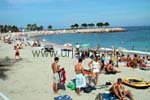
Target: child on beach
<point>17,53</point>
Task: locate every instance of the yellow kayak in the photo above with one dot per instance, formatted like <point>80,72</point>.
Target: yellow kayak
<point>136,83</point>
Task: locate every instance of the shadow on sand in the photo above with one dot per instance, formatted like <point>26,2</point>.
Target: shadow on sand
<point>5,65</point>
<point>3,76</point>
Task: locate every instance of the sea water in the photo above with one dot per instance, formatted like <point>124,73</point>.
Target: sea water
<point>135,38</point>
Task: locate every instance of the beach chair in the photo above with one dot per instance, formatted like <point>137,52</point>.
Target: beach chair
<point>49,48</point>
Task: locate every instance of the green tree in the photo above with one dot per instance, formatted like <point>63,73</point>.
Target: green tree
<point>5,28</point>
<point>40,28</point>
<point>76,25</point>
<point>72,26</point>
<point>49,27</point>
<point>29,27</point>
<point>99,24</point>
<point>1,28</point>
<point>106,24</point>
<point>34,27</point>
<point>9,28</point>
<point>91,25</point>
<point>14,29</point>
<point>84,25</point>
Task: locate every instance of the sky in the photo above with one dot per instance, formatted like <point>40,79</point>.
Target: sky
<point>63,13</point>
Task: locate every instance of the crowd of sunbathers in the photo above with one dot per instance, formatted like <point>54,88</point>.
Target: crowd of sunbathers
<point>19,43</point>
<point>99,64</point>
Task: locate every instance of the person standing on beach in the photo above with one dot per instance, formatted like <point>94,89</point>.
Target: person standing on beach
<point>17,53</point>
<point>77,47</point>
<point>135,61</point>
<point>95,66</point>
<point>80,79</point>
<point>55,68</point>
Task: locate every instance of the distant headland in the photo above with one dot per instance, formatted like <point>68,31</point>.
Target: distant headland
<point>35,29</point>
<point>67,31</point>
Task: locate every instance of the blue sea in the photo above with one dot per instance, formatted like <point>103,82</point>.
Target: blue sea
<point>137,38</point>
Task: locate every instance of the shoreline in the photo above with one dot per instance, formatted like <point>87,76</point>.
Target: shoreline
<point>33,35</point>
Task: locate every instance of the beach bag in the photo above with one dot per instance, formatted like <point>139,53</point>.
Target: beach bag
<point>88,89</point>
<point>71,86</point>
<point>61,86</point>
<point>99,97</point>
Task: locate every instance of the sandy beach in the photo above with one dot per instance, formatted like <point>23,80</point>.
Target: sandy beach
<point>31,78</point>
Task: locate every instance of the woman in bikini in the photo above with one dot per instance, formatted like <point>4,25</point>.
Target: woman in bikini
<point>95,66</point>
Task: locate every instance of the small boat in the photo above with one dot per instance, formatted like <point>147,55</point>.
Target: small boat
<point>136,83</point>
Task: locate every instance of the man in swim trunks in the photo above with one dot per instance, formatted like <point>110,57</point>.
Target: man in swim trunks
<point>135,61</point>
<point>80,79</point>
<point>110,69</point>
<point>119,90</point>
<point>55,68</point>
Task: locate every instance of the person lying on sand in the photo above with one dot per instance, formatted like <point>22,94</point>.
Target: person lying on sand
<point>119,90</point>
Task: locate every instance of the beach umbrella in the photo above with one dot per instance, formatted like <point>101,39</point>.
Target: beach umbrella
<point>68,45</point>
<point>85,45</point>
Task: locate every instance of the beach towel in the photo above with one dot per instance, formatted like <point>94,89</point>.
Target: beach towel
<point>106,96</point>
<point>80,81</point>
<point>62,75</point>
<point>64,97</point>
<point>88,72</point>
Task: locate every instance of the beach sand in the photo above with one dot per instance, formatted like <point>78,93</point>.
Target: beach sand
<point>31,78</point>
